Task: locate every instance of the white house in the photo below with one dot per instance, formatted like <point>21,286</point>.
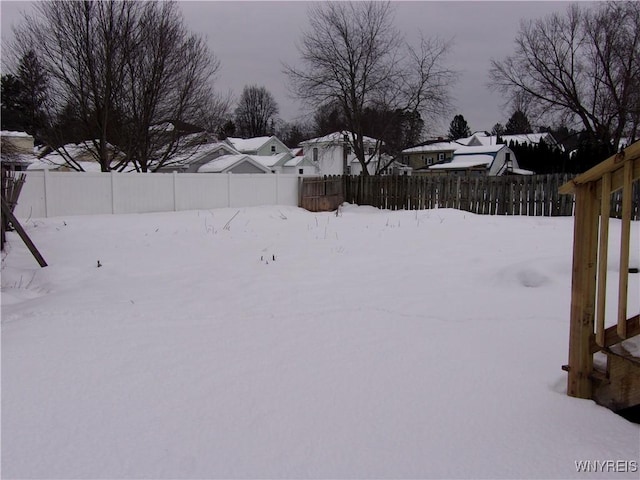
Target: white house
<point>333,154</point>
<point>262,146</point>
<point>490,160</point>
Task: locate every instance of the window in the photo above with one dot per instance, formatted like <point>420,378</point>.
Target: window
<point>300,171</point>
<point>406,159</point>
<point>440,157</point>
<point>430,161</point>
<point>371,150</point>
<point>315,154</point>
<point>348,150</point>
<point>273,149</point>
<point>348,171</point>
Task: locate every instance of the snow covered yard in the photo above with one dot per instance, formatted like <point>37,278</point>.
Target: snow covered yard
<point>272,342</point>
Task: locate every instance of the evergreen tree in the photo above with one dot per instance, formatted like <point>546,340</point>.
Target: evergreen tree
<point>11,91</point>
<point>33,94</point>
<point>518,123</point>
<point>458,128</point>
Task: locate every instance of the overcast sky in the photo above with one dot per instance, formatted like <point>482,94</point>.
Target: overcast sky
<point>253,39</point>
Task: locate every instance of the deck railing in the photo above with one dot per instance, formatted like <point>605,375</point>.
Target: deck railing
<point>588,330</point>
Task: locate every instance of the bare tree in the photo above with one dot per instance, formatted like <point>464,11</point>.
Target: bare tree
<point>121,68</point>
<point>167,84</point>
<point>354,57</point>
<point>582,66</point>
<point>256,112</point>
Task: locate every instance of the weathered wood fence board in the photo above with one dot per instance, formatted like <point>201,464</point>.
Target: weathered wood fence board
<point>533,195</point>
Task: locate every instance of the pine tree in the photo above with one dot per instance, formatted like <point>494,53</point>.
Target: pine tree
<point>518,123</point>
<point>458,128</point>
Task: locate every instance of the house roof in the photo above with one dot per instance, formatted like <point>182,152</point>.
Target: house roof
<point>465,161</point>
<point>270,161</point>
<point>335,137</point>
<point>433,147</point>
<point>248,144</point>
<point>196,152</point>
<point>481,149</point>
<point>11,133</point>
<point>227,162</point>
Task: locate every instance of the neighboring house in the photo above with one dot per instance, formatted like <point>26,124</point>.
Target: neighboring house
<point>83,154</point>
<point>238,163</point>
<point>17,150</point>
<point>490,160</point>
<point>422,156</point>
<point>262,146</point>
<point>333,155</point>
<point>275,163</point>
<point>300,165</point>
<point>194,157</point>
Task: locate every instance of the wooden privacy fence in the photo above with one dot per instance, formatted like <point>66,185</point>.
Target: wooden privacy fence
<point>320,194</point>
<point>533,195</point>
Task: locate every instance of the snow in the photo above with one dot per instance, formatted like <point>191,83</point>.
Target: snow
<point>336,137</point>
<point>464,161</point>
<point>433,147</point>
<point>11,133</point>
<point>271,342</point>
<point>227,162</point>
<point>245,145</point>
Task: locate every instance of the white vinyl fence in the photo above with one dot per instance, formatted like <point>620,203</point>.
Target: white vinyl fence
<point>51,194</point>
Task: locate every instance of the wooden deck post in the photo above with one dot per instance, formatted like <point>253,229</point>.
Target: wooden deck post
<point>583,290</point>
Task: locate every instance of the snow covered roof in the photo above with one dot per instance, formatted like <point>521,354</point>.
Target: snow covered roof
<point>11,133</point>
<point>195,153</point>
<point>433,147</point>
<point>521,171</point>
<point>335,137</point>
<point>227,162</point>
<point>269,161</point>
<point>248,144</point>
<point>482,149</point>
<point>464,161</point>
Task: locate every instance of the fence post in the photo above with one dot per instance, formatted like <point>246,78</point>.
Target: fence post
<point>583,286</point>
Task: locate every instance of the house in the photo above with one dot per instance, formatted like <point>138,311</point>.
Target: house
<point>423,156</point>
<point>82,154</point>
<point>333,154</point>
<point>238,163</point>
<point>300,165</point>
<point>258,145</point>
<point>490,160</point>
<point>17,150</point>
<point>191,159</point>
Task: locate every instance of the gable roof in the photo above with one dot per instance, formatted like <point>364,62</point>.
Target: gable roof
<point>197,153</point>
<point>433,147</point>
<point>270,161</point>
<point>244,145</point>
<point>228,162</point>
